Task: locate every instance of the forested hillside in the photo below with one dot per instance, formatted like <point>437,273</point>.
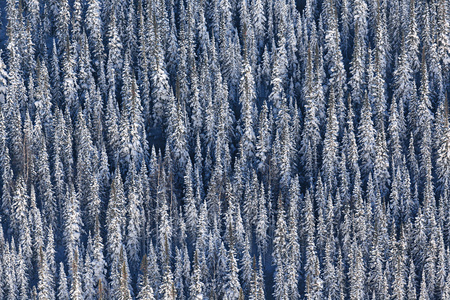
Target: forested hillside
<point>224,149</point>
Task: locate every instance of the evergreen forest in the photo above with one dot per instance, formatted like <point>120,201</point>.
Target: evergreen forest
<point>224,149</point>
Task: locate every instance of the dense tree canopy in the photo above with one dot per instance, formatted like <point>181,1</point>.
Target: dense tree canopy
<point>224,149</point>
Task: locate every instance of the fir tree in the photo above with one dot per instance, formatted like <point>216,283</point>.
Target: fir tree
<point>366,139</point>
